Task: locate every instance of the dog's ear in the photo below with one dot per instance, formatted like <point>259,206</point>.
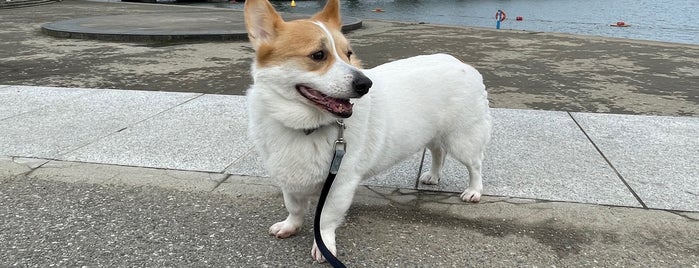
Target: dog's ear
<point>330,15</point>
<point>261,21</point>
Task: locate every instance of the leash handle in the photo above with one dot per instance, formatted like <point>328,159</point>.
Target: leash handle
<point>337,158</point>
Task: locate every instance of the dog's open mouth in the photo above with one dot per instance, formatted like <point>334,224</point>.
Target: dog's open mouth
<point>339,107</point>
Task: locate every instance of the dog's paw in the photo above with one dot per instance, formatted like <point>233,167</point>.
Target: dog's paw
<point>428,179</point>
<point>318,256</point>
<point>471,195</point>
<point>283,229</point>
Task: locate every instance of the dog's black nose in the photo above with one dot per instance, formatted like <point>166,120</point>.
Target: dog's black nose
<point>361,84</point>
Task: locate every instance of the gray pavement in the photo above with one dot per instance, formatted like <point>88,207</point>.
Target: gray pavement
<point>159,172</point>
<point>122,177</point>
<point>523,70</point>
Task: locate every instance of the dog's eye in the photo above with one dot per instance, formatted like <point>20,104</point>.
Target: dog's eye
<point>349,54</point>
<point>318,56</point>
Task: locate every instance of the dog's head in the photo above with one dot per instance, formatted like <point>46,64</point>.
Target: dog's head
<point>305,60</point>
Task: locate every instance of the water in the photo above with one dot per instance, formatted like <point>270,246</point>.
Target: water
<point>659,20</point>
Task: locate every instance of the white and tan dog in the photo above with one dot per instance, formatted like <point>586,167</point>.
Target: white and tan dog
<point>305,74</point>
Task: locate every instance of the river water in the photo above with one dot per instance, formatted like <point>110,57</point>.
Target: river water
<point>674,21</point>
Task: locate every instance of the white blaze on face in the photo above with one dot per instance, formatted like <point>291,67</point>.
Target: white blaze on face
<point>341,74</point>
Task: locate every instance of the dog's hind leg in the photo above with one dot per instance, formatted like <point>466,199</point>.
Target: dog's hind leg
<point>297,204</point>
<point>438,153</point>
<point>475,182</point>
<point>469,149</point>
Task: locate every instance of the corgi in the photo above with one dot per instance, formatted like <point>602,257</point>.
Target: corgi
<point>306,77</point>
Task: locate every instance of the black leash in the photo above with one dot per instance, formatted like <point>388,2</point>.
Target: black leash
<point>339,147</point>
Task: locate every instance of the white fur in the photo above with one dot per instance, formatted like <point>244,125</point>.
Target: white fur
<point>432,101</point>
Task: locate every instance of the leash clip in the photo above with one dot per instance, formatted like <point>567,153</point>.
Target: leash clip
<point>339,148</point>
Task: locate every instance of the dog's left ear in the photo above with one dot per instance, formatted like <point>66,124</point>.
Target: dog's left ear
<point>330,14</point>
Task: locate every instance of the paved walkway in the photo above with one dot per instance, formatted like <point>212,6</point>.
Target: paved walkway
<point>524,70</point>
<point>620,160</point>
<point>96,177</point>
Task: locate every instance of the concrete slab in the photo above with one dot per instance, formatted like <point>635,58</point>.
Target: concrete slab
<point>250,164</point>
<point>656,155</point>
<point>541,155</point>
<point>402,175</point>
<point>204,134</point>
<point>21,99</point>
<point>55,130</point>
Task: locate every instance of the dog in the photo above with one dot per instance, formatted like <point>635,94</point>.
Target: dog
<point>306,77</point>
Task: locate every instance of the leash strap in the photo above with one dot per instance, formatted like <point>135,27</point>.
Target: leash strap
<point>339,147</point>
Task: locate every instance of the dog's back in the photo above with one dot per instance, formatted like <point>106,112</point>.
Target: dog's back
<point>422,100</point>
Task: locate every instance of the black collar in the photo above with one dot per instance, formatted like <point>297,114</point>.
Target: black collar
<point>308,131</point>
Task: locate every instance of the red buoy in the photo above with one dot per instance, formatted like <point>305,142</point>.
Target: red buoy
<point>519,18</point>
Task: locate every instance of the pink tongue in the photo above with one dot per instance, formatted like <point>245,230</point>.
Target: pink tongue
<point>340,107</point>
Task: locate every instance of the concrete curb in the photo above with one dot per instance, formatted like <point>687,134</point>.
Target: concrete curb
<point>225,25</point>
<point>24,3</point>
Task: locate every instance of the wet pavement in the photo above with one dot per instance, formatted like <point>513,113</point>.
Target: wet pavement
<point>527,70</point>
<point>203,25</point>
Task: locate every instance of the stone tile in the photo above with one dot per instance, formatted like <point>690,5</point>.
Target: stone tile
<point>58,129</point>
<point>251,164</point>
<point>402,175</point>
<point>454,176</point>
<point>656,155</point>
<point>22,99</point>
<point>540,155</point>
<point>204,134</point>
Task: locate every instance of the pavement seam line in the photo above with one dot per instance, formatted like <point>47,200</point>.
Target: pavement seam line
<point>221,182</point>
<point>419,169</point>
<point>126,127</point>
<point>240,158</point>
<point>31,170</point>
<point>609,163</point>
<point>682,215</point>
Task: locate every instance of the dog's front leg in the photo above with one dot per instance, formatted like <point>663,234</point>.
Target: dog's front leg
<point>297,205</point>
<point>336,205</point>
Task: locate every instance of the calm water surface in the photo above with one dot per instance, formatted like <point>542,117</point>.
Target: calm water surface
<point>659,20</point>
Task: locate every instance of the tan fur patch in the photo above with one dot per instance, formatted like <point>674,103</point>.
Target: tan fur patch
<point>297,40</point>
